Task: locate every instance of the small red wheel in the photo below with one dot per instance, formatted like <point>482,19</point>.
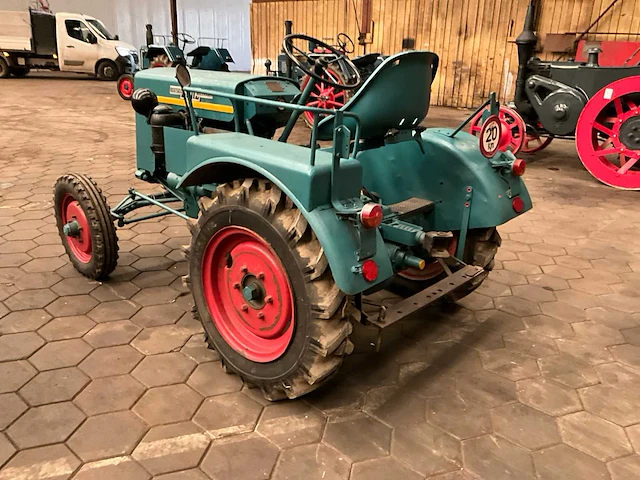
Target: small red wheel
<point>534,142</point>
<point>85,226</point>
<point>325,96</point>
<point>248,293</point>
<point>512,123</point>
<point>125,86</point>
<point>608,134</point>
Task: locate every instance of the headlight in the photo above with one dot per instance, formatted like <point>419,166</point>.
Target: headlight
<point>124,52</point>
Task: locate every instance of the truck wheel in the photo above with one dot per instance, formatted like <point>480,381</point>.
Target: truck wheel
<point>125,86</point>
<point>85,226</point>
<point>264,292</point>
<point>19,72</point>
<point>107,70</point>
<point>480,250</point>
<point>5,71</point>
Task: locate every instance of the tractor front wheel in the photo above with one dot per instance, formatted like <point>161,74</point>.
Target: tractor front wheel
<point>264,292</point>
<point>480,250</point>
<point>125,86</point>
<point>85,226</point>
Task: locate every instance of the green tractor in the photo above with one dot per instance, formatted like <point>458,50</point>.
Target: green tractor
<point>287,240</point>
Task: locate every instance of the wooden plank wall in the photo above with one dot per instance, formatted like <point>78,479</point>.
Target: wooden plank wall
<point>473,37</point>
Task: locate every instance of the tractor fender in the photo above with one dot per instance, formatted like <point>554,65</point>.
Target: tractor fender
<point>337,237</point>
<point>442,169</point>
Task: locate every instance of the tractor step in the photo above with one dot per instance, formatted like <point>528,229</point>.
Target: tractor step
<point>426,297</point>
<point>412,206</point>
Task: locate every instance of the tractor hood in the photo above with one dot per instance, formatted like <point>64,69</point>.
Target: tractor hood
<point>163,83</point>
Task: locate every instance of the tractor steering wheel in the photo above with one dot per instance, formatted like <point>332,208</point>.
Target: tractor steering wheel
<point>186,39</point>
<point>345,43</point>
<point>321,64</point>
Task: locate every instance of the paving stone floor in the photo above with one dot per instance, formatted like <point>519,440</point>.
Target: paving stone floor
<point>535,376</point>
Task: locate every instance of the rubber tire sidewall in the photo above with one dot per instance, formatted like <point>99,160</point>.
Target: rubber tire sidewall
<point>5,70</point>
<point>100,71</point>
<point>285,366</point>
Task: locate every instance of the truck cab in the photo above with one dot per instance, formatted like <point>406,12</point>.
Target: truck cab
<point>69,42</point>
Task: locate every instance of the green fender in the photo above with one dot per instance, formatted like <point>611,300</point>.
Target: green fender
<point>336,236</point>
<point>440,168</point>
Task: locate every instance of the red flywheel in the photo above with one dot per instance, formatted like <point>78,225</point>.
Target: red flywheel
<point>512,124</point>
<point>608,134</point>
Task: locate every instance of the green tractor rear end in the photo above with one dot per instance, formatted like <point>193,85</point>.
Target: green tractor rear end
<point>288,239</point>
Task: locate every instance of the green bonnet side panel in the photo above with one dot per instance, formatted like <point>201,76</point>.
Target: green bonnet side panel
<point>223,157</point>
<point>440,168</point>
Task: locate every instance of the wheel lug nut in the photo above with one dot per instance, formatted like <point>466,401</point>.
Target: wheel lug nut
<point>236,286</point>
<point>244,269</point>
<point>268,299</point>
<point>260,315</point>
<point>245,308</point>
<point>261,276</point>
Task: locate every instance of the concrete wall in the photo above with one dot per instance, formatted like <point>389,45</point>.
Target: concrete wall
<point>199,18</point>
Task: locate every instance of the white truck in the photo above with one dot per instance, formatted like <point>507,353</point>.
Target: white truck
<point>68,42</point>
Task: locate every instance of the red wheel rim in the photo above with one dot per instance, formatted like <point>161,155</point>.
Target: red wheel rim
<point>80,245</point>
<point>431,270</point>
<point>260,327</point>
<point>601,134</point>
<point>126,87</point>
<point>512,123</point>
<point>534,143</point>
<point>325,96</point>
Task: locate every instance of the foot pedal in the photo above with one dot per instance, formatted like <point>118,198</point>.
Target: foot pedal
<point>412,206</point>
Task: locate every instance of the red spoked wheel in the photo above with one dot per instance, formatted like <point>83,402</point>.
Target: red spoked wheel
<point>248,294</point>
<point>325,96</point>
<point>535,142</point>
<point>125,86</point>
<point>85,226</point>
<point>608,134</point>
<point>512,123</point>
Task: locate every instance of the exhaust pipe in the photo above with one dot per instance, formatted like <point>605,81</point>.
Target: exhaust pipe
<point>526,42</point>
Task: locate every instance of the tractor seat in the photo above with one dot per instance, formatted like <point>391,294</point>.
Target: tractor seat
<point>199,51</point>
<point>395,96</point>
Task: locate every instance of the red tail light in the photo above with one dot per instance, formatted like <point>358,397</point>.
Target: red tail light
<point>371,215</point>
<point>518,205</point>
<point>519,167</point>
<point>370,270</point>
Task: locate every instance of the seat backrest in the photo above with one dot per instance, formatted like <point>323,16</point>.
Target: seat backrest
<point>395,96</point>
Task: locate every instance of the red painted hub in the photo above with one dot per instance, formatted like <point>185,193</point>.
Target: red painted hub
<point>512,126</point>
<point>248,293</point>
<point>80,243</point>
<point>126,87</point>
<point>325,96</point>
<point>608,132</point>
<point>533,143</point>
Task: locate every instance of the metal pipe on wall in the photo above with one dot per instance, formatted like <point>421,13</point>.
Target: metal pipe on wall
<point>174,21</point>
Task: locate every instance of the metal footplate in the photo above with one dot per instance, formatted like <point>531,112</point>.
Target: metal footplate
<point>426,297</point>
<point>411,207</point>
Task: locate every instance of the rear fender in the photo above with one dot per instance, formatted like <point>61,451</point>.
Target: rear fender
<point>440,168</point>
<point>336,236</point>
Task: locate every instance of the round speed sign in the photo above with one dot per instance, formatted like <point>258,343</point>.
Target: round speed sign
<point>490,136</point>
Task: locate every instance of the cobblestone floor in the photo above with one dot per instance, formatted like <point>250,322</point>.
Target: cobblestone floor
<point>535,376</point>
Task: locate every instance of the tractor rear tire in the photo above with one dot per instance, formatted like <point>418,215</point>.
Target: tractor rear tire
<point>94,250</point>
<point>480,250</point>
<point>291,336</point>
<point>107,70</point>
<point>5,71</point>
